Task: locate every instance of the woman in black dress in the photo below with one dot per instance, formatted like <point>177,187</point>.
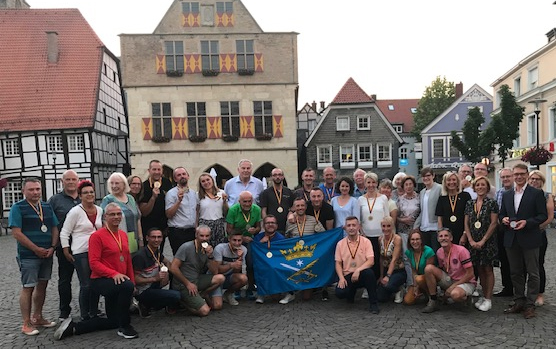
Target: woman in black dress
<point>450,208</point>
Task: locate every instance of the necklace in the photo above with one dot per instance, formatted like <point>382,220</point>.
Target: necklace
<point>301,229</point>
<point>118,241</point>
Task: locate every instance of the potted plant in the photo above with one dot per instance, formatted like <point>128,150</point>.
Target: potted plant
<point>174,73</point>
<point>537,156</point>
<point>197,138</point>
<point>264,137</point>
<point>161,139</point>
<point>246,71</point>
<point>210,72</point>
<point>230,138</point>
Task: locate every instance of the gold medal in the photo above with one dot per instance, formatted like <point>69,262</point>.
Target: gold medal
<point>121,258</point>
<point>513,224</point>
<point>269,254</point>
<point>204,245</point>
<point>301,242</point>
<point>156,185</point>
<point>453,218</point>
<point>370,218</point>
<point>353,264</point>
<point>280,209</point>
<point>477,225</point>
<point>247,227</point>
<point>44,228</point>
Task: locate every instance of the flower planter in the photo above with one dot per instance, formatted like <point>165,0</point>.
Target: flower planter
<point>230,138</point>
<point>264,137</point>
<point>537,156</point>
<point>246,71</point>
<point>197,139</point>
<point>174,73</point>
<point>210,72</point>
<point>161,139</point>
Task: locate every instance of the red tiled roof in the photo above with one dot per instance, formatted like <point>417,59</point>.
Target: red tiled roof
<point>351,93</point>
<point>35,94</point>
<point>402,111</point>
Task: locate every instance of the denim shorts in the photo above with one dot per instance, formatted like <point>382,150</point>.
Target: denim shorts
<point>34,270</point>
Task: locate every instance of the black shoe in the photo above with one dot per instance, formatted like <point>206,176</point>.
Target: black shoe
<point>144,311</point>
<point>374,309</point>
<point>128,332</point>
<point>324,294</point>
<point>504,293</point>
<point>65,330</point>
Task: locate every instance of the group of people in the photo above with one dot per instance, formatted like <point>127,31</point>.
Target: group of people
<point>398,244</point>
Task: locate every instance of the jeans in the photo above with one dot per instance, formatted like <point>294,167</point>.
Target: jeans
<point>366,279</point>
<point>65,273</point>
<point>157,298</point>
<point>117,300</point>
<point>395,281</point>
<point>88,300</point>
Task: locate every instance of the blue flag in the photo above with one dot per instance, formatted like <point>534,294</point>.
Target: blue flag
<point>297,263</point>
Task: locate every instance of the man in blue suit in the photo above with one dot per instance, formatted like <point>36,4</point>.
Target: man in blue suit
<point>523,209</point>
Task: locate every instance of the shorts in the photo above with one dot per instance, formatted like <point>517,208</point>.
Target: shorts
<point>226,285</point>
<point>446,281</point>
<point>34,270</point>
<point>195,302</point>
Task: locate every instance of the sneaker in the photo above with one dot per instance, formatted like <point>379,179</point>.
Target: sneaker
<point>260,299</point>
<point>324,295</point>
<point>144,311</point>
<point>229,298</point>
<point>398,297</point>
<point>365,294</point>
<point>29,330</point>
<point>432,306</point>
<point>237,295</point>
<point>475,293</point>
<point>288,298</point>
<point>374,309</point>
<point>486,305</point>
<point>128,332</point>
<point>479,302</point>
<point>134,306</point>
<point>65,330</point>
<point>43,323</point>
<point>251,295</point>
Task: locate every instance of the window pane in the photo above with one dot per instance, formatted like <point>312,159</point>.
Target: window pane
<point>204,47</point>
<point>240,46</point>
<point>235,108</point>
<point>249,46</point>
<point>179,47</point>
<point>169,47</point>
<point>156,109</point>
<point>191,109</point>
<point>257,108</point>
<point>166,109</point>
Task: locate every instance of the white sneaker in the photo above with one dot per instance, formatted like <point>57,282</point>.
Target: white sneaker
<point>260,299</point>
<point>230,299</point>
<point>486,305</point>
<point>398,297</point>
<point>475,293</point>
<point>288,298</point>
<point>479,302</point>
<point>365,294</point>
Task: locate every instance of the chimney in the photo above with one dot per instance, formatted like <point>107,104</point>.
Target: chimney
<point>314,106</point>
<point>459,90</point>
<point>321,105</point>
<point>52,47</point>
<point>373,97</point>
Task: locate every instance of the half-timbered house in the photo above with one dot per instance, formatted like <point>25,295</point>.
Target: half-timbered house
<point>61,102</point>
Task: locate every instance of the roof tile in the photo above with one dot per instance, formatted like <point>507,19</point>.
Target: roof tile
<point>351,93</point>
<point>401,113</point>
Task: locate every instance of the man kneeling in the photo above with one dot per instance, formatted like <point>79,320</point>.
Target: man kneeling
<point>189,268</point>
<point>454,273</point>
<point>354,259</point>
<point>229,258</point>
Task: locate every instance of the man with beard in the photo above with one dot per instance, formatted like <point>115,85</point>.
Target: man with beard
<point>229,258</point>
<point>181,206</point>
<point>152,208</point>
<point>277,199</point>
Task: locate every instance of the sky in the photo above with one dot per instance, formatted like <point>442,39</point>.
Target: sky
<point>391,48</point>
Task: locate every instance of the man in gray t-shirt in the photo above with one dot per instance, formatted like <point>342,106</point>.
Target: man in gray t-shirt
<point>189,268</point>
<point>229,258</point>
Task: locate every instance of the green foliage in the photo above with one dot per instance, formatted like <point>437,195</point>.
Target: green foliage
<point>435,100</point>
<point>473,146</point>
<point>504,128</point>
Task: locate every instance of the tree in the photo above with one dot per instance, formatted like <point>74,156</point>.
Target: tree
<point>504,127</point>
<point>473,146</point>
<point>435,100</point>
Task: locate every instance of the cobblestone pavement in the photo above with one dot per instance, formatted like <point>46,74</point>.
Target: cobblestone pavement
<point>313,324</point>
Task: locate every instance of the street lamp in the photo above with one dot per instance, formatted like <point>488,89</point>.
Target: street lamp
<point>537,102</point>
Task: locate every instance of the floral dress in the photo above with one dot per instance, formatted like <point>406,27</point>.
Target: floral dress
<point>488,255</point>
